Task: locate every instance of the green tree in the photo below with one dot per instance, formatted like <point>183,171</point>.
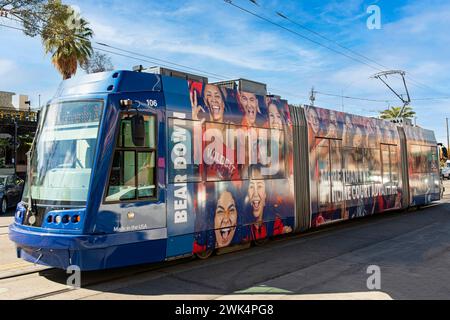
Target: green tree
<point>65,35</point>
<point>32,14</point>
<point>394,113</point>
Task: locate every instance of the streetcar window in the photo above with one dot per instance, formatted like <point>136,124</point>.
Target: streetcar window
<point>122,181</point>
<point>133,171</point>
<point>218,159</point>
<point>390,166</point>
<point>386,163</point>
<point>146,174</point>
<point>329,161</point>
<point>277,153</point>
<point>323,158</point>
<point>394,164</point>
<point>126,138</point>
<point>424,159</point>
<point>434,159</point>
<point>337,181</point>
<point>373,158</point>
<point>268,153</point>
<point>236,147</point>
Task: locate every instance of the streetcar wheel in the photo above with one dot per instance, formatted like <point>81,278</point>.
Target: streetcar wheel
<point>204,254</point>
<point>261,242</point>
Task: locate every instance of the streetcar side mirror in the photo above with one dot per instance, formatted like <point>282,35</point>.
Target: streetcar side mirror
<point>138,130</point>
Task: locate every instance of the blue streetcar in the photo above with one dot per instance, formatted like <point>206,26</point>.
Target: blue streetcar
<point>138,167</point>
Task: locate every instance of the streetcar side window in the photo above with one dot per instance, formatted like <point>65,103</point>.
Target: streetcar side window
<point>267,152</point>
<point>386,163</point>
<point>329,161</point>
<point>237,149</point>
<point>390,165</point>
<point>434,159</point>
<point>323,162</point>
<point>421,158</point>
<point>373,158</point>
<point>126,138</point>
<point>146,175</point>
<point>122,180</point>
<point>133,171</point>
<point>395,172</point>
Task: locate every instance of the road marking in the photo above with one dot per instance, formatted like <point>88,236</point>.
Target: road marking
<point>3,290</point>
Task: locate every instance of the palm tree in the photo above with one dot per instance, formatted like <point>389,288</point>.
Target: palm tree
<point>394,113</point>
<point>67,38</point>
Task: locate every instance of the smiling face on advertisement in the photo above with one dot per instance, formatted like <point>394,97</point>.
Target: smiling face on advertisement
<point>225,219</point>
<point>257,197</point>
<point>358,138</point>
<point>275,121</point>
<point>249,103</point>
<point>313,120</point>
<point>348,122</point>
<point>333,117</point>
<point>214,101</point>
<point>332,131</point>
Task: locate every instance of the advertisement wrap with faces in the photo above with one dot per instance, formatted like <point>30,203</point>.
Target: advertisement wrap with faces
<point>423,166</point>
<point>232,152</point>
<point>355,166</point>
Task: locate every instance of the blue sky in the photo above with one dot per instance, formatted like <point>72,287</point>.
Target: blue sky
<point>213,36</point>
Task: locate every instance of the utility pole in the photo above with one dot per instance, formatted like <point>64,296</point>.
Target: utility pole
<point>448,136</point>
<point>312,96</point>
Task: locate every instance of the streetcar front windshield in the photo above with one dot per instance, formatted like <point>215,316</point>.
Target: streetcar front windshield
<point>64,152</point>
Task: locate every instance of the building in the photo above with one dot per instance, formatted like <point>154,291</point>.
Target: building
<point>18,123</point>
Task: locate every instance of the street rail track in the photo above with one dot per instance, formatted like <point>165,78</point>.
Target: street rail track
<point>126,274</point>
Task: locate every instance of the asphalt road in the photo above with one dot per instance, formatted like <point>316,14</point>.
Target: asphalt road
<point>411,249</point>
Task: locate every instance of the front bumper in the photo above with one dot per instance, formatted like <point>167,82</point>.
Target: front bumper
<point>89,252</point>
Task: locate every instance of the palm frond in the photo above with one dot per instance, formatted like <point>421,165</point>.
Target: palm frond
<point>68,40</point>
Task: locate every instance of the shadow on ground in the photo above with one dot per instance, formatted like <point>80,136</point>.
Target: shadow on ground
<point>412,250</point>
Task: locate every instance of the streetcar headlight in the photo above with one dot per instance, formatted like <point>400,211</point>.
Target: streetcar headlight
<point>64,219</point>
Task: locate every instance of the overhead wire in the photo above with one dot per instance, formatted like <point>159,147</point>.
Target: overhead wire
<point>230,2</point>
<point>284,16</point>
<point>138,56</point>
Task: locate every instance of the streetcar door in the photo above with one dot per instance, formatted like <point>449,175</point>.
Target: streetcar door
<point>330,186</point>
<point>390,176</point>
<point>134,196</point>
